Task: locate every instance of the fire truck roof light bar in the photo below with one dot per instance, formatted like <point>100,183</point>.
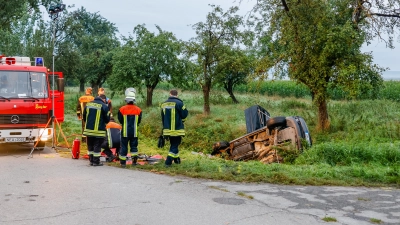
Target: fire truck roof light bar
<point>39,61</point>
<point>10,61</point>
<point>18,60</point>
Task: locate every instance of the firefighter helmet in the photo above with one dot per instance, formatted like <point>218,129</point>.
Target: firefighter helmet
<point>130,95</point>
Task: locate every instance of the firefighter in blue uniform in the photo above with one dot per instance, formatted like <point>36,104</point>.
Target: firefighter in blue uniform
<point>129,117</point>
<point>173,116</point>
<point>96,115</point>
<point>112,140</point>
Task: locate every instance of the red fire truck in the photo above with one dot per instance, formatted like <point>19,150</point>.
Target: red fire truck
<point>26,101</point>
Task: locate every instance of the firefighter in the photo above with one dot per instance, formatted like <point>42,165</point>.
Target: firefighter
<point>173,116</point>
<point>108,100</point>
<point>112,140</point>
<point>129,117</point>
<point>82,101</point>
<point>96,116</point>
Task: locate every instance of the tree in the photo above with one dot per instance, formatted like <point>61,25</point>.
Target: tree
<point>233,69</point>
<point>12,11</point>
<point>319,44</point>
<point>92,38</point>
<point>221,29</point>
<point>147,58</point>
<point>18,36</point>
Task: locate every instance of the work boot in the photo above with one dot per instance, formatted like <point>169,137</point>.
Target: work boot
<point>123,163</point>
<point>111,158</point>
<point>96,161</point>
<point>168,161</point>
<point>134,160</point>
<point>177,160</point>
<point>91,160</point>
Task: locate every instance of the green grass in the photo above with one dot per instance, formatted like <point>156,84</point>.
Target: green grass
<point>362,147</point>
<point>376,221</point>
<point>242,194</point>
<point>329,219</point>
<point>218,188</point>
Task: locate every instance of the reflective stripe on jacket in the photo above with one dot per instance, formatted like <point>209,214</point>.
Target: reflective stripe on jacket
<point>173,115</point>
<point>129,116</point>
<point>113,134</point>
<point>96,116</point>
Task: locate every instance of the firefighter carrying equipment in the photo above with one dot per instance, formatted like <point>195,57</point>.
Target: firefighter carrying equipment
<point>173,115</point>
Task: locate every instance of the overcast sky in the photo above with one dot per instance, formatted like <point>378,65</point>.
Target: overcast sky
<point>176,16</point>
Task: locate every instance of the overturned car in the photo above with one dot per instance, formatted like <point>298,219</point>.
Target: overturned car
<point>267,139</point>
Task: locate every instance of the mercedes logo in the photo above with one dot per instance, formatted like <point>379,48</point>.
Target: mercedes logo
<point>14,119</point>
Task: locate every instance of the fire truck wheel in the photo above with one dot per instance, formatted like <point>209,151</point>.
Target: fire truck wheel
<point>279,121</point>
<point>40,145</point>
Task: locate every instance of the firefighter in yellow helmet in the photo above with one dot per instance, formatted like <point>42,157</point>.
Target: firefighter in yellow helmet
<point>82,101</point>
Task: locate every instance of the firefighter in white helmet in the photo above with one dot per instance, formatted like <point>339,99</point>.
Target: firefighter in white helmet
<point>129,117</point>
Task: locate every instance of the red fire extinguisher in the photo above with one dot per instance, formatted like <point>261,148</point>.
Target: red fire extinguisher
<point>76,148</point>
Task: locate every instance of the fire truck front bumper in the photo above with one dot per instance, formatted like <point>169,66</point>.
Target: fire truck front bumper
<point>25,135</point>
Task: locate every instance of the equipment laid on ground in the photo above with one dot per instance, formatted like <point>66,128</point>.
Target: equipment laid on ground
<point>27,101</point>
<point>76,148</point>
<point>280,136</point>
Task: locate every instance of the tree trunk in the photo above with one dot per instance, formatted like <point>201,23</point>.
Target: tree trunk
<point>233,97</point>
<point>323,118</point>
<point>229,89</point>
<point>206,95</point>
<point>149,100</point>
<point>81,86</point>
<point>95,88</point>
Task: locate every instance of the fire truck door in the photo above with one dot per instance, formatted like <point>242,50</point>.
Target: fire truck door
<point>58,98</point>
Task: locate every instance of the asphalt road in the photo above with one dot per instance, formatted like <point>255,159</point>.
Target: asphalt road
<point>49,189</point>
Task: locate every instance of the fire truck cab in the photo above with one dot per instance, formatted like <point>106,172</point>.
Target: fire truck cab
<point>27,101</point>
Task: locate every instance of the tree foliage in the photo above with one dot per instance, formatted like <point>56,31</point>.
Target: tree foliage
<point>17,32</point>
<point>88,43</point>
<point>146,59</point>
<point>221,29</point>
<point>233,69</point>
<point>319,44</point>
<point>13,11</point>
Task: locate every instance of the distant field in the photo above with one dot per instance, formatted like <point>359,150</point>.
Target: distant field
<point>391,75</point>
